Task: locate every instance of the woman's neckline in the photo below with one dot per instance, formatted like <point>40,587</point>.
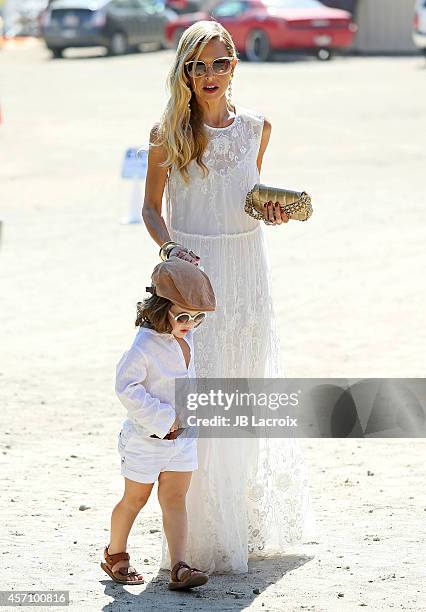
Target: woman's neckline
<point>226,127</point>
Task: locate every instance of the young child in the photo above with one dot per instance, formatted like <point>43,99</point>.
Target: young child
<point>151,442</point>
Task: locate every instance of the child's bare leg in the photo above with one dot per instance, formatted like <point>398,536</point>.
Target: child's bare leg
<point>135,496</point>
<point>172,490</point>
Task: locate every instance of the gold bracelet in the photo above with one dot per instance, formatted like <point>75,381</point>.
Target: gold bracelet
<point>163,248</point>
<point>170,248</point>
<point>167,247</point>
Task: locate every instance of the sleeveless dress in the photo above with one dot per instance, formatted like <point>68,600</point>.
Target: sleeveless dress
<point>248,498</point>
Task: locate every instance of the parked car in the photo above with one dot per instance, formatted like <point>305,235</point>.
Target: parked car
<point>184,6</point>
<point>260,27</point>
<point>117,25</point>
<point>419,25</point>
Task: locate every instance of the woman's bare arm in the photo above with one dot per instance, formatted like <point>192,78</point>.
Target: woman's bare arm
<point>266,134</point>
<point>272,211</point>
<point>155,182</point>
<point>154,188</point>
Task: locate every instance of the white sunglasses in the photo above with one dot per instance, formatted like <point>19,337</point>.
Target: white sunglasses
<point>185,317</point>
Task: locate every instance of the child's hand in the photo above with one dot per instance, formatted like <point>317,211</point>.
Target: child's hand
<point>185,254</point>
<point>176,425</point>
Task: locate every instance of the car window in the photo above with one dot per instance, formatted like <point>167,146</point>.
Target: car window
<point>150,6</point>
<point>229,9</point>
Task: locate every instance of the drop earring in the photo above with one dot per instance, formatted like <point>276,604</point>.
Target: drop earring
<point>230,89</point>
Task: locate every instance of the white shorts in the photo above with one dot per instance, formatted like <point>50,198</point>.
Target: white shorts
<point>143,458</point>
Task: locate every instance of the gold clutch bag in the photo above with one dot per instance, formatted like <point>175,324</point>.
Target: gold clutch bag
<point>296,204</point>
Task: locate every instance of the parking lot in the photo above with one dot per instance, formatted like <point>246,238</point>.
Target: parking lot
<point>349,293</point>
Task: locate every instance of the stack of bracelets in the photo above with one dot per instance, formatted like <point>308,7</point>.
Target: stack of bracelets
<point>166,248</point>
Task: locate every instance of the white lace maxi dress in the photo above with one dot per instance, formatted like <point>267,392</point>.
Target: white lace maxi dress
<point>248,498</point>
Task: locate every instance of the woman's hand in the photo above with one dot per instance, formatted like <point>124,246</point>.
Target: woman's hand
<point>273,213</point>
<point>185,254</point>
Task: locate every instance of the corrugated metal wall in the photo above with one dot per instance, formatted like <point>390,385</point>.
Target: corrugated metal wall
<point>384,26</point>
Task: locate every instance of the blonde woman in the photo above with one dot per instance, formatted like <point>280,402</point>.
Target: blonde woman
<point>247,498</point>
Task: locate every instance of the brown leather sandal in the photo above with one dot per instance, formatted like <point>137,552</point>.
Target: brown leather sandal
<point>124,574</point>
<point>191,578</point>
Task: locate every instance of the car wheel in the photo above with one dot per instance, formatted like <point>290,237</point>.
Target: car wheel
<point>324,54</point>
<point>56,52</point>
<point>177,36</point>
<point>258,47</point>
<point>118,44</point>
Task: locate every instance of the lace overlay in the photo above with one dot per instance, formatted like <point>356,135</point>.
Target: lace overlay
<point>214,205</point>
<point>249,497</point>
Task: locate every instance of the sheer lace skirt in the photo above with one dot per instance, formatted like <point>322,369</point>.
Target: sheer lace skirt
<point>249,497</point>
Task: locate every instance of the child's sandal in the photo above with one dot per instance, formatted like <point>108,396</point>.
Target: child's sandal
<point>191,578</point>
<point>124,574</point>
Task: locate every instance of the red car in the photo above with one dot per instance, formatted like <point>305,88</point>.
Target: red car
<point>260,27</point>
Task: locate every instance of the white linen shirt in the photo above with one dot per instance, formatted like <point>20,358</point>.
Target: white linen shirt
<point>145,380</point>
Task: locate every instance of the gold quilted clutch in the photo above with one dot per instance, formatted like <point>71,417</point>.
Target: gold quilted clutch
<point>296,204</point>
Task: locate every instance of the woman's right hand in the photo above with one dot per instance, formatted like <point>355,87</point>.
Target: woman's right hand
<point>185,254</point>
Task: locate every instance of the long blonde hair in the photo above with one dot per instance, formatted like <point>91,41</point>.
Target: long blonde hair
<point>181,131</point>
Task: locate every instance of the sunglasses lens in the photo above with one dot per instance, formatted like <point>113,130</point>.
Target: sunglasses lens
<point>196,70</point>
<point>200,69</point>
<point>199,318</point>
<point>221,66</point>
<point>182,318</point>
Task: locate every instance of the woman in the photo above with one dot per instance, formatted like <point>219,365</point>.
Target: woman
<point>248,498</point>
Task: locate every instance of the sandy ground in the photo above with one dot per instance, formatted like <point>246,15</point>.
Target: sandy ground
<point>349,293</point>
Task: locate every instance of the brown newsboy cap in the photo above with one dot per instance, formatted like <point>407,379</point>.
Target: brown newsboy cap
<point>184,284</point>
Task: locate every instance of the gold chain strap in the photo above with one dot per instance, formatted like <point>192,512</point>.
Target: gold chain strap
<point>302,204</point>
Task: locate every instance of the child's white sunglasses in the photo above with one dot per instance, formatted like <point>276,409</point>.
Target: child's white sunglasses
<point>185,317</point>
